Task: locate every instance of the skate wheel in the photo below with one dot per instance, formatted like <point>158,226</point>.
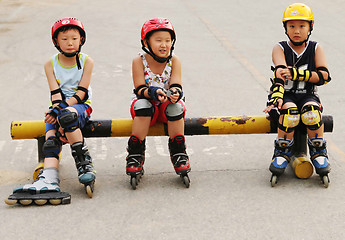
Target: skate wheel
<point>325,181</point>
<point>10,201</point>
<point>25,202</point>
<point>55,201</point>
<point>134,183</point>
<point>89,190</point>
<point>274,180</point>
<point>40,202</point>
<point>186,181</point>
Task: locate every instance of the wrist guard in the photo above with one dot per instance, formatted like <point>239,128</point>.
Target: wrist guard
<point>153,92</point>
<point>277,93</point>
<point>300,75</point>
<point>172,92</point>
<point>142,92</point>
<point>54,112</point>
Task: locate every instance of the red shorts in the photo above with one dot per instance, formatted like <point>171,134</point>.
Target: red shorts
<point>159,111</point>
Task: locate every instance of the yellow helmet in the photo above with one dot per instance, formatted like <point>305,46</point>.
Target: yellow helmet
<point>298,11</point>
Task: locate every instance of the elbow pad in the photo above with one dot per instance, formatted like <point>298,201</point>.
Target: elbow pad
<point>322,80</point>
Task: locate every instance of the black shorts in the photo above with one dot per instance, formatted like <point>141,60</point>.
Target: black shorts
<point>301,99</point>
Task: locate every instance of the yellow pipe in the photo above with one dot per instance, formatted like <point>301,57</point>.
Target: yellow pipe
<point>302,166</point>
<point>27,129</point>
<point>238,125</point>
<point>123,127</point>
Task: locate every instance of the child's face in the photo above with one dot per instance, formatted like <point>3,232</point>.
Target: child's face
<point>160,42</point>
<point>297,30</point>
<point>69,40</point>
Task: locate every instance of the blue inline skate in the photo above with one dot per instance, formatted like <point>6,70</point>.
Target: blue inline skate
<point>319,158</point>
<point>281,158</point>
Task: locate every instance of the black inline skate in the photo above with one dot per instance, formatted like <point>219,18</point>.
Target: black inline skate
<point>83,161</point>
<point>135,160</point>
<point>179,158</point>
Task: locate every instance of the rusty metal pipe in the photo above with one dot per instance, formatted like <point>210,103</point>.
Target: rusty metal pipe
<point>193,126</point>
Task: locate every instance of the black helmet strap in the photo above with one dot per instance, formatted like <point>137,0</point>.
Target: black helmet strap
<point>155,57</point>
<point>76,54</point>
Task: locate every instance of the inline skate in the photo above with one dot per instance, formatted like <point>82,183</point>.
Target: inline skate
<point>179,158</point>
<point>83,162</point>
<point>44,190</point>
<point>135,160</point>
<point>281,158</point>
<point>319,158</point>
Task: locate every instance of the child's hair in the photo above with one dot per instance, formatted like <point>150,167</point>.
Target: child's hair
<point>66,28</point>
<point>149,34</point>
<point>149,27</point>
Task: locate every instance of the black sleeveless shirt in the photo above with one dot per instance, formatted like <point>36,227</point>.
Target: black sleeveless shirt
<point>305,61</point>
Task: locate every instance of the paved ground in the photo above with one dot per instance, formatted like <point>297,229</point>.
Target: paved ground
<point>225,48</point>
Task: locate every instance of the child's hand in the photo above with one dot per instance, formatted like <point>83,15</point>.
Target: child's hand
<point>173,95</point>
<point>49,118</point>
<point>270,107</point>
<point>62,136</point>
<point>161,95</point>
<point>275,98</point>
<point>157,94</point>
<point>283,73</point>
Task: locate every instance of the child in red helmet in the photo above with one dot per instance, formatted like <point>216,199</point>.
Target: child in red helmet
<point>158,96</point>
<point>300,67</point>
<point>69,74</point>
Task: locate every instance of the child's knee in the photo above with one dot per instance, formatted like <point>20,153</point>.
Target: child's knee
<point>174,111</point>
<point>143,108</point>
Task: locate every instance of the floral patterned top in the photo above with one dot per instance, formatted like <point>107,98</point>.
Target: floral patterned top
<point>157,80</point>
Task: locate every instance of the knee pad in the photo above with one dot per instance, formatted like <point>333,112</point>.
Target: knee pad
<point>174,111</point>
<point>143,108</point>
<point>68,120</point>
<point>51,147</point>
<point>311,117</point>
<point>290,120</point>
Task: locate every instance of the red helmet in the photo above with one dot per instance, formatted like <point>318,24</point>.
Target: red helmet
<point>68,21</point>
<point>157,24</point>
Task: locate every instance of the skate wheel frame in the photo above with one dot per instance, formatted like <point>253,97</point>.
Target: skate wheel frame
<point>25,198</point>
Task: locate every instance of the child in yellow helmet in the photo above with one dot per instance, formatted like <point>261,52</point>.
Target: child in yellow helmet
<point>300,67</point>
